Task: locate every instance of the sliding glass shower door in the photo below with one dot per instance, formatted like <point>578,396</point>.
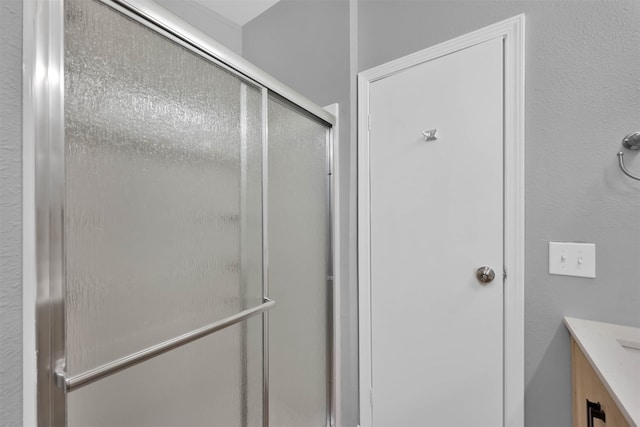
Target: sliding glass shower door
<point>179,195</point>
<point>163,231</point>
<point>299,266</point>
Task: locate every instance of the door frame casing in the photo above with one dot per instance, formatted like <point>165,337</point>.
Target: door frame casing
<point>512,31</point>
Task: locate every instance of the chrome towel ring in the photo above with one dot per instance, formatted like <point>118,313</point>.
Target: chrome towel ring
<point>630,142</point>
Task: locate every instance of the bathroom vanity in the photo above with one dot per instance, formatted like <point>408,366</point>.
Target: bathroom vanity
<point>605,372</point>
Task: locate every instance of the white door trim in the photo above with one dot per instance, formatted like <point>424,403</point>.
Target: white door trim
<point>512,31</point>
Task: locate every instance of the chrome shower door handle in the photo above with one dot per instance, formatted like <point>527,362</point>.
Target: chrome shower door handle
<point>79,380</point>
<point>485,274</point>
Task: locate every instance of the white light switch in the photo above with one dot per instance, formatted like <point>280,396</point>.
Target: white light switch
<point>572,259</point>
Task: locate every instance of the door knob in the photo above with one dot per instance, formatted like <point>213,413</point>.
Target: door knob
<point>485,274</point>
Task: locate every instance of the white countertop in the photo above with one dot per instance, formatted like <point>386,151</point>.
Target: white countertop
<point>614,353</point>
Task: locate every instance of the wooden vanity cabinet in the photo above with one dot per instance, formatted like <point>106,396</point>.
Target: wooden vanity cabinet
<point>588,386</point>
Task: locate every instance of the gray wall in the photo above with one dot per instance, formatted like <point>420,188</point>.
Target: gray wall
<point>583,87</point>
<point>211,23</point>
<point>305,44</point>
<point>10,212</point>
<point>582,97</point>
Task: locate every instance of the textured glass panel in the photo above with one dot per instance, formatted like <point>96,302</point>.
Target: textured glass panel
<point>163,205</point>
<point>298,254</point>
<point>197,385</point>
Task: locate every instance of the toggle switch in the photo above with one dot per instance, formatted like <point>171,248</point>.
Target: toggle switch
<point>572,259</point>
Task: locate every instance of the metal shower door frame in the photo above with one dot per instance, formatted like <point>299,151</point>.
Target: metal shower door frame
<point>44,383</point>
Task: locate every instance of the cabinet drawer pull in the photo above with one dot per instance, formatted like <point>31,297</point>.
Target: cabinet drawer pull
<point>594,410</point>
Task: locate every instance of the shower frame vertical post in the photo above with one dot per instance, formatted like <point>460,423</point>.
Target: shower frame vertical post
<point>44,403</point>
<point>331,290</point>
<point>265,255</point>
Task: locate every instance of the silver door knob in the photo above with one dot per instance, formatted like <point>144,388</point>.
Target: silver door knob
<point>485,274</point>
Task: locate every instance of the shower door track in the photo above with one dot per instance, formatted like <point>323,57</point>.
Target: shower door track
<point>45,383</point>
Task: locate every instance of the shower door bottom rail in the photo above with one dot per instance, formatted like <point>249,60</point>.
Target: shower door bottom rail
<point>108,369</point>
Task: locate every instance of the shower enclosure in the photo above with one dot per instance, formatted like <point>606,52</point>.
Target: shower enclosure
<point>182,228</point>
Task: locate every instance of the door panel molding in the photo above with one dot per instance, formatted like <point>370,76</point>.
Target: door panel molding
<point>512,32</point>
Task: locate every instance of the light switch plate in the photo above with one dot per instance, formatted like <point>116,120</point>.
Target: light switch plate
<point>572,259</point>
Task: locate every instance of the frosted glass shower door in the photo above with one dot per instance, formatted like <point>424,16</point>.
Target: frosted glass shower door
<point>299,263</point>
<point>162,226</point>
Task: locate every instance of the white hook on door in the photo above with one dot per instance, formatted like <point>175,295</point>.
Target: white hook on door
<point>430,135</point>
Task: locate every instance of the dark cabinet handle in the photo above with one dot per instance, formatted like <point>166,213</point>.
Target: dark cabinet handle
<point>594,410</point>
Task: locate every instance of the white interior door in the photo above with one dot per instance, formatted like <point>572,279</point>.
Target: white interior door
<point>436,216</point>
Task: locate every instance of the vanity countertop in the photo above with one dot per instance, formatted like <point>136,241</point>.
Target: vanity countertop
<point>614,354</point>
